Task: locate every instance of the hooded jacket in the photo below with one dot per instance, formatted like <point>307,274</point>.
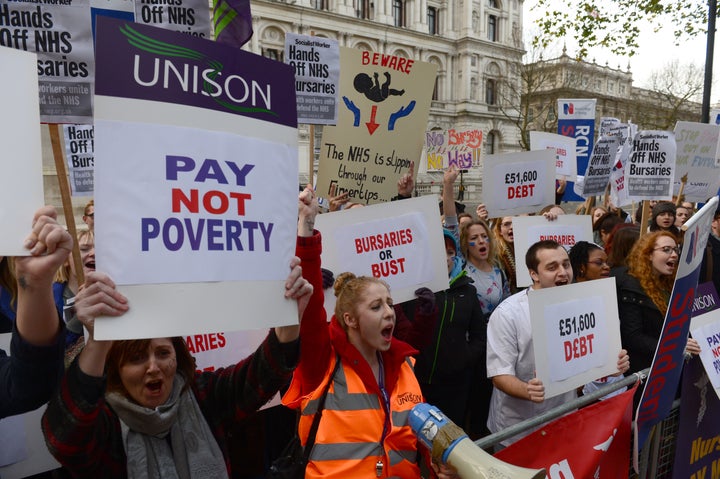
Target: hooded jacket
<point>455,338</point>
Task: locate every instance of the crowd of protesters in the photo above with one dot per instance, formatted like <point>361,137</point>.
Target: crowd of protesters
<point>139,408</point>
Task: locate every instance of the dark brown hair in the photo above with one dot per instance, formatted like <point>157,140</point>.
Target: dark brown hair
<point>121,352</point>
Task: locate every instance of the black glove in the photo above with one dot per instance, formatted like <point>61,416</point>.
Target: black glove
<point>426,300</point>
<point>328,278</point>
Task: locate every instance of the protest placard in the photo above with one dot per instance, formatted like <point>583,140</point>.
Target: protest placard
<point>60,35</point>
<point>191,17</point>
<point>380,128</point>
<point>528,230</point>
<point>650,169</point>
<point>602,160</point>
<point>461,148</point>
<point>316,61</point>
<point>705,329</point>
<point>79,152</point>
<point>696,453</point>
<point>576,333</point>
<point>697,152</point>
<point>21,179</point>
<point>182,199</point>
<point>607,124</point>
<point>664,377</point>
<point>399,242</point>
<point>564,146</point>
<point>516,183</point>
<point>618,190</point>
<point>576,119</point>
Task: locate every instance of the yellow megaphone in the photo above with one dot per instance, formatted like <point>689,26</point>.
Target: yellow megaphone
<point>449,444</point>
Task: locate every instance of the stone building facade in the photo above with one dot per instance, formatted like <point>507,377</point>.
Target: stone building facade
<point>477,46</point>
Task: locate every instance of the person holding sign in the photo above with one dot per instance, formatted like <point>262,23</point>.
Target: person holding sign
<point>29,376</point>
<point>478,250</point>
<point>518,394</point>
<point>590,262</point>
<point>138,408</point>
<point>368,373</point>
<point>644,288</point>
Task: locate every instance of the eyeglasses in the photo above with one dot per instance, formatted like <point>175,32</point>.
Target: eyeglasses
<point>599,263</point>
<point>669,250</point>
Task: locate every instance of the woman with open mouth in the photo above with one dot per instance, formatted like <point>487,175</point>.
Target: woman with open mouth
<point>138,408</point>
<point>644,288</point>
<point>359,371</point>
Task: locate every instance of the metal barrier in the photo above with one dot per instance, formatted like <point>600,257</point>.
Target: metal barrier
<point>656,458</point>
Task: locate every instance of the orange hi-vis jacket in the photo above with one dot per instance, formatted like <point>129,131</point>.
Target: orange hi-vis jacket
<point>353,438</point>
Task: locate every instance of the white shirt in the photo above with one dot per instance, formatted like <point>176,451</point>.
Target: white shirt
<point>510,351</point>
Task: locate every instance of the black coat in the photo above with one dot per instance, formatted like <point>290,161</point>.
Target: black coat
<point>641,321</point>
<point>451,342</point>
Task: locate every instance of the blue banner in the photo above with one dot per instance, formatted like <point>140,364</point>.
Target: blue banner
<point>576,119</point>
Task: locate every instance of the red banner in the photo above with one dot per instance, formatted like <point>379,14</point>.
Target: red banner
<point>593,440</point>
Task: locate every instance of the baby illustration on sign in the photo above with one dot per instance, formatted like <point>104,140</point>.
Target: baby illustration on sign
<point>371,88</point>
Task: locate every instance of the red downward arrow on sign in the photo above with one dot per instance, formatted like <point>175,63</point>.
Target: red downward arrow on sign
<point>371,125</point>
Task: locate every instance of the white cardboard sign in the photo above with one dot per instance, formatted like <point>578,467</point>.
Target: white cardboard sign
<point>566,230</point>
<point>517,183</point>
<point>21,181</point>
<point>576,333</point>
<point>705,328</point>
<point>400,242</point>
<point>564,146</point>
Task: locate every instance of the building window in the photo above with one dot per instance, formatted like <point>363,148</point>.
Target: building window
<point>490,91</point>
<point>492,28</point>
<point>362,9</point>
<point>611,86</point>
<point>473,60</point>
<point>493,4</point>
<point>432,19</point>
<point>398,13</point>
<point>598,84</point>
<point>435,96</point>
<point>272,54</point>
<point>490,139</point>
<point>320,4</point>
<point>622,89</point>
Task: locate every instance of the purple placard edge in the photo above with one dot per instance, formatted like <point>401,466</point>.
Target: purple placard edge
<point>232,77</point>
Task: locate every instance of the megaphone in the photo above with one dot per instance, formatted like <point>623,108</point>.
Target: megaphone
<point>449,444</point>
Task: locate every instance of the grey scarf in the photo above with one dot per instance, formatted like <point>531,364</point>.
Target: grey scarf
<point>190,451</point>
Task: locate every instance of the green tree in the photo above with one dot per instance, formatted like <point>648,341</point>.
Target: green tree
<point>615,25</point>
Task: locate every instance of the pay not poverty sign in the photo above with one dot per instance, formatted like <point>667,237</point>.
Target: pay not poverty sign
<point>189,134</point>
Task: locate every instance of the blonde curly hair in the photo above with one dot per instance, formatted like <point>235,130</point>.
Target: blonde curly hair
<point>348,288</point>
<point>657,287</point>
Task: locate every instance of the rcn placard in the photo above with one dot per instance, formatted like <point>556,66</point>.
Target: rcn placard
<point>189,134</point>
